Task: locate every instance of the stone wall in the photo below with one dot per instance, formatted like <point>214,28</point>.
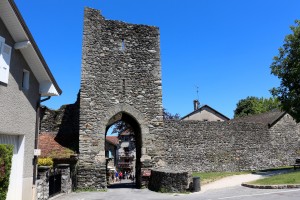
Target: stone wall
<point>42,183</point>
<point>63,123</point>
<point>64,119</point>
<point>44,172</point>
<point>285,141</point>
<point>220,146</point>
<point>230,146</point>
<point>120,76</point>
<point>170,180</point>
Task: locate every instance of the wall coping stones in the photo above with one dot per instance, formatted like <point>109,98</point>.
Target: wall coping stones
<point>287,186</point>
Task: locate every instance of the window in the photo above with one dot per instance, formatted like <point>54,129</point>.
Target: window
<point>123,45</point>
<point>5,53</point>
<point>25,80</point>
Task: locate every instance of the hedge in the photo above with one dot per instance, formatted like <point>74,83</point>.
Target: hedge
<point>45,162</point>
<point>6,153</point>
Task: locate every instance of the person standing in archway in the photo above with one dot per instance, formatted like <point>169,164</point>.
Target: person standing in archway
<point>116,176</point>
<point>120,175</point>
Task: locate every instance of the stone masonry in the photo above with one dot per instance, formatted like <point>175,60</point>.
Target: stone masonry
<point>170,180</point>
<point>231,146</point>
<point>120,79</point>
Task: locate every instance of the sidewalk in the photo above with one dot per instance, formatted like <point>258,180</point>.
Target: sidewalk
<point>231,181</point>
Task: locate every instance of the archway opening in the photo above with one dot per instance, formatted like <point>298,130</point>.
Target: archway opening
<point>123,142</point>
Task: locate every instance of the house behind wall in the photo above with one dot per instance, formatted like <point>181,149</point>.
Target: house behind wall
<point>24,78</point>
<point>18,117</point>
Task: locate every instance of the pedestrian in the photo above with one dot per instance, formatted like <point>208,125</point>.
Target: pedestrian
<point>112,177</point>
<point>117,176</point>
<point>120,176</point>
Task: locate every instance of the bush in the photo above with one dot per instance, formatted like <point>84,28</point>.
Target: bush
<point>6,153</point>
<point>45,162</point>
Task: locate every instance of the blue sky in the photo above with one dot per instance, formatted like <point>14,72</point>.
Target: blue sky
<point>223,47</point>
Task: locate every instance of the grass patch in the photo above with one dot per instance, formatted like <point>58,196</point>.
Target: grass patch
<point>281,179</point>
<point>207,177</point>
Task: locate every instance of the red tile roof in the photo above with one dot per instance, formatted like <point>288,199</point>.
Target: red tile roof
<point>112,139</point>
<point>51,148</point>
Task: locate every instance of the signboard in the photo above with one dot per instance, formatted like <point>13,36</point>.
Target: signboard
<point>146,173</point>
<point>37,152</point>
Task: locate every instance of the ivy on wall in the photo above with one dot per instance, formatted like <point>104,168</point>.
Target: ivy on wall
<point>6,153</point>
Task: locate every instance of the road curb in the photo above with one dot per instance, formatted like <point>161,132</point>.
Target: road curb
<point>271,186</point>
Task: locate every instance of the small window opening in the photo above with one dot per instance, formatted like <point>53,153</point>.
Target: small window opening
<point>123,45</point>
<point>25,80</point>
<point>124,87</point>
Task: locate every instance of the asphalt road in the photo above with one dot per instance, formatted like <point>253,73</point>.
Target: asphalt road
<point>124,192</point>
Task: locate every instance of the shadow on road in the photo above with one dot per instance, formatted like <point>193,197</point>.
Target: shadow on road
<point>123,184</point>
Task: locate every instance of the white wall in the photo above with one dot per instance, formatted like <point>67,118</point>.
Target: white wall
<point>16,174</point>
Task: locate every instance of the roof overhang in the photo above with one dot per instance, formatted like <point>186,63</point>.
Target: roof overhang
<point>202,108</point>
<point>19,31</point>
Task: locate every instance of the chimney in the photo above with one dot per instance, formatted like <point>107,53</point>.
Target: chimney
<point>196,104</point>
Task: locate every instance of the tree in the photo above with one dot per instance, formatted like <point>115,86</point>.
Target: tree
<point>254,105</point>
<point>170,116</point>
<point>121,126</point>
<point>286,66</point>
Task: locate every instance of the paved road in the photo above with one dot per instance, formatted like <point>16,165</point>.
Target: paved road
<point>229,193</point>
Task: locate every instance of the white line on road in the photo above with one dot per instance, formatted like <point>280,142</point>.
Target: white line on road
<point>251,195</point>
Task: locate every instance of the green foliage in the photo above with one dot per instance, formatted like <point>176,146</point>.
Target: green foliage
<point>287,178</point>
<point>45,162</point>
<point>170,116</point>
<point>254,105</point>
<point>120,127</point>
<point>6,153</point>
<point>163,190</point>
<point>286,66</point>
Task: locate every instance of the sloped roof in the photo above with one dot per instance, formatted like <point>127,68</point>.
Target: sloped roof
<point>112,139</point>
<point>268,118</point>
<point>19,31</point>
<point>201,108</point>
<point>51,148</point>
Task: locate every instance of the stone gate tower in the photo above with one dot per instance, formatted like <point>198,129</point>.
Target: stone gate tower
<point>120,80</point>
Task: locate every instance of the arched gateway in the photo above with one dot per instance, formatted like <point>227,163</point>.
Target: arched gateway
<point>120,80</point>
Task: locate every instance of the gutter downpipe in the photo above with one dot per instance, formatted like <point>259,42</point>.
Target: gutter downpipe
<point>36,139</point>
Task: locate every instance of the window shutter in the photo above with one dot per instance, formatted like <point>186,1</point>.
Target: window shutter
<point>4,62</point>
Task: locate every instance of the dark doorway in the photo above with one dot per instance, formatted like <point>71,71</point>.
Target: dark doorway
<point>54,184</point>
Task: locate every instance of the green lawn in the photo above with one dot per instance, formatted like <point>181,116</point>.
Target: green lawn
<point>293,177</point>
<point>207,177</point>
<point>282,179</point>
